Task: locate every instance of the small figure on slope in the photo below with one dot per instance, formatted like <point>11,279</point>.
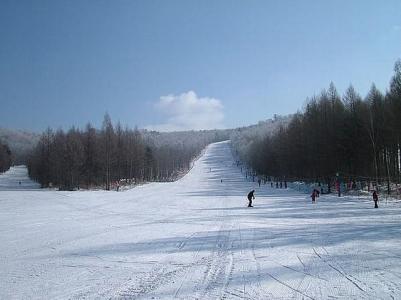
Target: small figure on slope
<point>375,198</point>
<point>250,197</point>
<point>313,196</point>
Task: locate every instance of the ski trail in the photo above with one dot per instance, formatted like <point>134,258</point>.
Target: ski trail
<point>300,260</point>
<point>195,238</point>
<point>189,272</point>
<point>219,267</point>
<point>259,290</point>
<point>342,273</point>
<point>290,287</point>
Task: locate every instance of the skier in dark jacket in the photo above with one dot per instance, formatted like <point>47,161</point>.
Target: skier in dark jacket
<point>313,196</point>
<point>250,197</point>
<point>375,198</point>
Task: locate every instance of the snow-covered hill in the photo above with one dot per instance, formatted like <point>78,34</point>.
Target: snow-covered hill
<point>196,239</point>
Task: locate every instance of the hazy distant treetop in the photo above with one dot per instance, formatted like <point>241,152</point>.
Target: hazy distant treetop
<point>19,141</point>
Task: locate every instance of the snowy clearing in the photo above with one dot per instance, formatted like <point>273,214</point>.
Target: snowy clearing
<point>196,239</point>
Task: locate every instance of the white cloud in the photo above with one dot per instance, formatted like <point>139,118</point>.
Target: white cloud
<point>189,112</point>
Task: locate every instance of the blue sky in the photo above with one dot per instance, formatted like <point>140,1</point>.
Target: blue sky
<point>172,65</point>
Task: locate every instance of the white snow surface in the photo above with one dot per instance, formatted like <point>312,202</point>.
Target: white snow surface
<point>16,178</point>
<point>196,239</point>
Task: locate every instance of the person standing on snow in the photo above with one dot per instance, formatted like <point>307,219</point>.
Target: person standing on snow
<point>250,197</point>
<point>313,196</point>
<point>375,198</point>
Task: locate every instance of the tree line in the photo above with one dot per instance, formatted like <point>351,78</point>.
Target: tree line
<point>5,157</point>
<point>113,156</point>
<point>348,137</point>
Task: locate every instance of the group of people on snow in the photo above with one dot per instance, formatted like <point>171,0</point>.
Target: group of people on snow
<point>315,194</point>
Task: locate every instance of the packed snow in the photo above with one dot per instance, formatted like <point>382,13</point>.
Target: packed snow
<point>17,179</point>
<point>196,239</point>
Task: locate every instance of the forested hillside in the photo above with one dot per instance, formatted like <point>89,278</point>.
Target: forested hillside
<point>354,137</point>
<point>5,157</point>
<point>114,156</point>
<point>20,142</point>
<point>243,139</point>
<point>349,137</point>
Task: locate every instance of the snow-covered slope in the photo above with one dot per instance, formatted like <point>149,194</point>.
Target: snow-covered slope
<point>16,178</point>
<point>196,239</point>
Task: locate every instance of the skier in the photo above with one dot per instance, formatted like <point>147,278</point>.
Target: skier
<point>313,196</point>
<point>375,198</point>
<point>259,181</point>
<point>250,197</point>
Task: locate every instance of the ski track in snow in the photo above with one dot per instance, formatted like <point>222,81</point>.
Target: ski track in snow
<point>195,239</point>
